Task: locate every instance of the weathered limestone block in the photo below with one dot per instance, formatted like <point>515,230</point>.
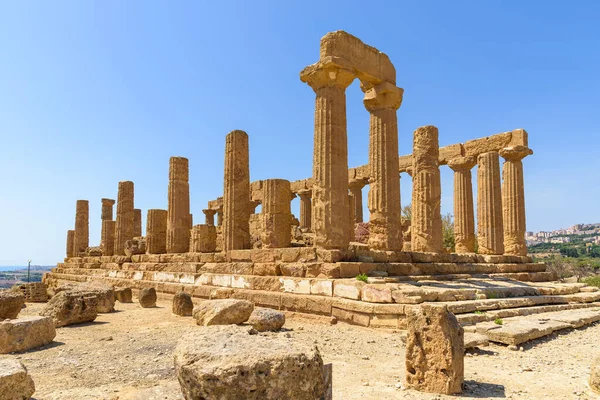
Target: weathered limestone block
<point>595,375</point>
<point>156,231</point>
<point>513,200</point>
<point>107,240</point>
<point>330,161</point>
<point>236,192</point>
<point>305,208</point>
<point>426,222</point>
<point>226,362</point>
<point>147,297</point>
<point>135,246</point>
<point>71,307</point>
<point>70,243</point>
<point>266,319</point>
<point>35,292</point>
<point>382,101</point>
<point>489,205</point>
<point>107,209</point>
<point>125,217</point>
<point>124,295</point>
<point>11,303</point>
<point>137,222</point>
<point>15,382</point>
<point>276,213</point>
<point>81,237</point>
<point>25,333</point>
<point>464,216</point>
<point>178,221</point>
<point>222,312</point>
<point>203,239</point>
<point>182,304</point>
<point>434,350</point>
<point>104,293</point>
<point>93,251</point>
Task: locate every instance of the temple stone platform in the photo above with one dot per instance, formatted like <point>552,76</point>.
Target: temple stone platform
<point>477,288</point>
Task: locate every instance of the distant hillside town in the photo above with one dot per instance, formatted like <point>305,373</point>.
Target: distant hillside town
<point>587,233</point>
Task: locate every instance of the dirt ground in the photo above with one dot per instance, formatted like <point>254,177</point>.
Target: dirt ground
<point>128,355</point>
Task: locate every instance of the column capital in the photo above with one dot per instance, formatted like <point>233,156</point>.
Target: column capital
<point>462,163</point>
<point>409,171</point>
<point>515,153</point>
<point>304,194</point>
<point>108,202</point>
<point>209,212</point>
<point>382,96</point>
<point>358,183</point>
<point>328,72</point>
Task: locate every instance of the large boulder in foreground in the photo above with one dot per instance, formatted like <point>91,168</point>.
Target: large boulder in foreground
<point>71,307</point>
<point>595,375</point>
<point>11,303</point>
<point>15,382</point>
<point>182,304</point>
<point>266,319</point>
<point>226,362</point>
<point>147,297</point>
<point>434,350</point>
<point>223,312</point>
<point>25,333</point>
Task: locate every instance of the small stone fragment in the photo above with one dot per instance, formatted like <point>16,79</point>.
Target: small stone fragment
<point>222,312</point>
<point>266,319</point>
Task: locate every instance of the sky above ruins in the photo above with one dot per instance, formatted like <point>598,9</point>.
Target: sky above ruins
<point>92,93</point>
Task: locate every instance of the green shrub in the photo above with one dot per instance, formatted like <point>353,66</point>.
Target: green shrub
<point>479,312</point>
<point>592,281</point>
<point>362,277</point>
<point>498,321</point>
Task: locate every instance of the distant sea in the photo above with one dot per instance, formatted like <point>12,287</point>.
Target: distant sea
<point>24,267</point>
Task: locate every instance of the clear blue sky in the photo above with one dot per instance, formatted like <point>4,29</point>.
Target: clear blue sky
<point>92,93</point>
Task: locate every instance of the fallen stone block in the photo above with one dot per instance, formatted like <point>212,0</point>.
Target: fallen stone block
<point>266,319</point>
<point>473,340</point>
<point>226,362</point>
<point>15,382</point>
<point>182,304</point>
<point>222,312</point>
<point>434,350</point>
<point>124,295</point>
<point>71,307</point>
<point>11,303</point>
<point>147,297</point>
<point>25,333</point>
<point>104,293</point>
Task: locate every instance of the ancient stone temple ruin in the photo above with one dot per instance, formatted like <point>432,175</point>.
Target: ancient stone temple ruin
<point>310,264</point>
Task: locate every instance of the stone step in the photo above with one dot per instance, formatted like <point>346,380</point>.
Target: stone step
<point>475,318</point>
<point>517,330</point>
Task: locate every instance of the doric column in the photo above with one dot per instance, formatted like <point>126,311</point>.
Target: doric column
<point>107,209</point>
<point>236,192</point>
<point>356,186</point>
<point>489,205</point>
<point>220,217</point>
<point>209,216</point>
<point>382,101</point>
<point>351,217</point>
<point>178,229</point>
<point>203,239</point>
<point>70,239</point>
<point>107,241</point>
<point>137,222</point>
<point>513,200</point>
<point>124,225</point>
<point>156,231</point>
<point>305,208</point>
<point>330,157</point>
<point>426,223</point>
<point>464,217</point>
<point>276,213</point>
<point>81,237</point>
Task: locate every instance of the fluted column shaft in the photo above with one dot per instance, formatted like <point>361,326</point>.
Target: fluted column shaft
<point>382,101</point>
<point>426,223</point>
<point>464,217</point>
<point>137,222</point>
<point>156,231</point>
<point>356,187</point>
<point>236,192</point>
<point>513,200</point>
<point>330,157</point>
<point>305,209</point>
<point>220,217</point>
<point>107,240</point>
<point>276,213</point>
<point>209,217</point>
<point>81,237</point>
<point>178,223</point>
<point>70,239</point>
<point>124,224</point>
<point>489,205</point>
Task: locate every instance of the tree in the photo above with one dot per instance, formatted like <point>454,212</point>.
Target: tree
<point>448,232</point>
<point>406,212</point>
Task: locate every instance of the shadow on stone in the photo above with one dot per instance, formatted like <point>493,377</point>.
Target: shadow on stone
<point>482,390</point>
